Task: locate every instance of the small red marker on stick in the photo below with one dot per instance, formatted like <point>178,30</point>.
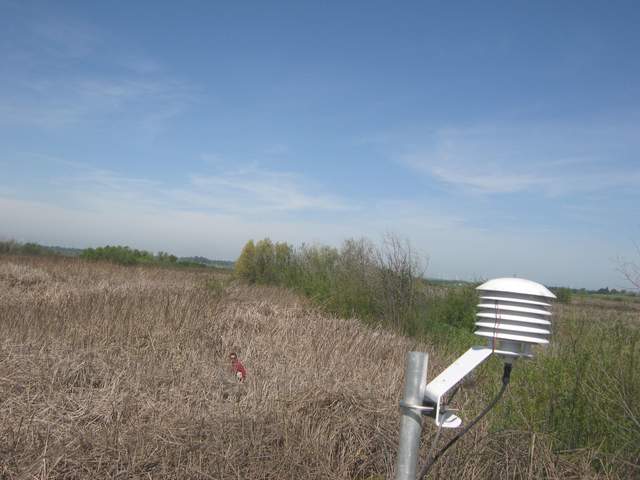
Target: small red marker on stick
<point>237,368</point>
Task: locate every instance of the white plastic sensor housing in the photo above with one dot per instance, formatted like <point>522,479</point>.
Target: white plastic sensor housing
<point>513,314</point>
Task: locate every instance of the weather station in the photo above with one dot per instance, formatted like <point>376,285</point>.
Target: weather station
<point>513,316</point>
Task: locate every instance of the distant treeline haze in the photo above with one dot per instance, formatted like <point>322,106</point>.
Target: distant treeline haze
<point>121,255</point>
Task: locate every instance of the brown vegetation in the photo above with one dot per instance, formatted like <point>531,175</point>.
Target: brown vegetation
<point>116,372</point>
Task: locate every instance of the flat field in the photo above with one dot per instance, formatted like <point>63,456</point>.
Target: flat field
<point>122,372</point>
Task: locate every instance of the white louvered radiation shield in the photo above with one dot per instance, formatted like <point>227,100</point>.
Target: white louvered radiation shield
<point>514,314</point>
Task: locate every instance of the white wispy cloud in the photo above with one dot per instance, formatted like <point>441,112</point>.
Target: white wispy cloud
<point>212,159</point>
<point>207,214</point>
<point>74,101</point>
<point>248,191</point>
<point>44,88</point>
<point>487,182</point>
<point>547,159</point>
<point>258,190</point>
<point>277,149</point>
<point>139,63</point>
<point>16,113</point>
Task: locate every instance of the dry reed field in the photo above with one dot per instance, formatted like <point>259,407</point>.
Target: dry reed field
<point>122,372</point>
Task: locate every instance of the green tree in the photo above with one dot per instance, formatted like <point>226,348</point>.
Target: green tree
<point>265,261</point>
<point>164,257</point>
<point>246,263</point>
<point>563,294</point>
<point>282,262</point>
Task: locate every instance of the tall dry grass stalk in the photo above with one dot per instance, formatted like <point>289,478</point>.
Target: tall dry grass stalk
<point>115,372</point>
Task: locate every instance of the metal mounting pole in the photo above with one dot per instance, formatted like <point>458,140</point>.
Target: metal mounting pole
<point>415,382</point>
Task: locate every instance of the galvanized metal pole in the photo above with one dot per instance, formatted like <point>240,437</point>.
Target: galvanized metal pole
<point>415,382</point>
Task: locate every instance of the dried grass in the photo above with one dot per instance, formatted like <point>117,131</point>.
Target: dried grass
<point>115,372</point>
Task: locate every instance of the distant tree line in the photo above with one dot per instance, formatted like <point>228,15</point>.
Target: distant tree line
<point>124,255</point>
<point>121,255</point>
<point>608,291</point>
<point>127,256</point>
<point>208,262</point>
<point>11,247</point>
<point>564,294</point>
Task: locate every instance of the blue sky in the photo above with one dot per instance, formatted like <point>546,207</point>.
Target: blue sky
<point>500,138</point>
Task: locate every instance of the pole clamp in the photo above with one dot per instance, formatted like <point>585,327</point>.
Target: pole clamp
<point>421,408</point>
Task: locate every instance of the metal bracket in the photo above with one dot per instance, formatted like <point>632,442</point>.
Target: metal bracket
<point>439,386</point>
<point>422,408</point>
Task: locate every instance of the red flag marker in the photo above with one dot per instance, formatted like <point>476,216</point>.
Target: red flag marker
<point>237,368</point>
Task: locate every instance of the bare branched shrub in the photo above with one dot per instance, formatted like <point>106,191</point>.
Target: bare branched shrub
<point>356,279</point>
<point>399,269</point>
<point>631,270</point>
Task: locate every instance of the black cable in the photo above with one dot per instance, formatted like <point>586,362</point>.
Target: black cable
<point>505,381</point>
